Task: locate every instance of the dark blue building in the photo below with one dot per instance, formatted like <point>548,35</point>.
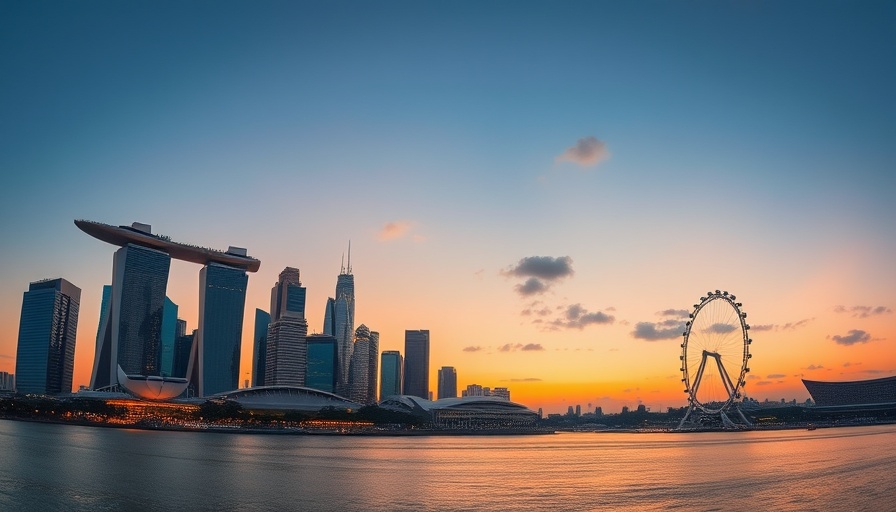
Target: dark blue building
<point>222,302</point>
<point>45,359</point>
<point>260,342</point>
<point>322,362</point>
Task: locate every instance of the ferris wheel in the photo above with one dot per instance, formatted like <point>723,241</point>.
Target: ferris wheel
<point>714,356</point>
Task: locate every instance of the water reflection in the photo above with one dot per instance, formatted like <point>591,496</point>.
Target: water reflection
<point>83,468</point>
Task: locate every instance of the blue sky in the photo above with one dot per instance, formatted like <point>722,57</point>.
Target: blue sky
<point>747,143</point>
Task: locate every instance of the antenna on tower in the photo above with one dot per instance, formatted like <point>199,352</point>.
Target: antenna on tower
<point>349,256</point>
<point>342,265</point>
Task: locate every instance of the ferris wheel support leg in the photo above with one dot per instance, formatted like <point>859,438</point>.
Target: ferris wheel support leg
<point>744,418</point>
<point>688,413</point>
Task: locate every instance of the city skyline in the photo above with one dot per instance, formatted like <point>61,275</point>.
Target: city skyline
<point>548,191</point>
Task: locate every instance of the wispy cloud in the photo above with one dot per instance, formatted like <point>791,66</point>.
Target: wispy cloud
<point>789,326</point>
<point>863,311</point>
<point>472,348</point>
<point>576,316</point>
<point>854,336</point>
<point>396,229</point>
<point>814,367</point>
<point>528,347</point>
<point>775,376</point>
<point>587,152</point>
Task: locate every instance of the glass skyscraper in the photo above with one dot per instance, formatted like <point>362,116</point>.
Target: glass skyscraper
<point>48,326</point>
<point>322,362</point>
<point>169,334</point>
<point>260,346</point>
<point>416,363</point>
<point>390,375</point>
<point>130,330</point>
<point>222,301</point>
<point>344,323</point>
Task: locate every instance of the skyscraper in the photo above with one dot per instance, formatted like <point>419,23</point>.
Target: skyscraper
<point>131,326</point>
<point>416,363</point>
<point>344,322</point>
<point>359,377</point>
<point>169,334</point>
<point>390,376</point>
<point>45,358</point>
<point>322,365</point>
<point>447,382</point>
<point>330,317</point>
<point>222,301</point>
<point>373,359</point>
<point>286,354</point>
<point>260,346</point>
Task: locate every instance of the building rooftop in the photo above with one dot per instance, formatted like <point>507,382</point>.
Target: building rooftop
<point>140,234</point>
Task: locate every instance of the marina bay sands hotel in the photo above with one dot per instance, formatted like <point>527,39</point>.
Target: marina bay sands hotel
<point>129,338</point>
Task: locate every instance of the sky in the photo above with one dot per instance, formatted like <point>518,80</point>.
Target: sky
<point>545,186</point>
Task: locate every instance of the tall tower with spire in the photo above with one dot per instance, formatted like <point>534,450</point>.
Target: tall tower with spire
<point>343,321</point>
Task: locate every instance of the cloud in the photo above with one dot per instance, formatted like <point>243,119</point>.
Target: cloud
<point>472,348</point>
<point>854,336</point>
<point>541,272</point>
<point>863,311</point>
<point>576,316</point>
<point>677,313</point>
<point>789,326</point>
<point>776,376</point>
<point>542,267</point>
<point>395,229</point>
<point>532,286</point>
<point>588,152</point>
<point>528,347</point>
<point>6,356</point>
<point>795,325</point>
<point>764,383</point>
<point>814,367</point>
<point>652,332</point>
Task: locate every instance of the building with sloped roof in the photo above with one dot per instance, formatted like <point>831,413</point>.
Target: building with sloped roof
<point>852,393</point>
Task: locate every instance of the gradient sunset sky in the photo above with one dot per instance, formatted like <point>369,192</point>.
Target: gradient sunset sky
<point>644,152</point>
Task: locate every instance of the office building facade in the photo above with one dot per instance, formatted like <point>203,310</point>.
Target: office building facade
<point>447,382</point>
<point>222,301</point>
<point>260,346</point>
<point>286,354</point>
<point>392,367</point>
<point>416,363</point>
<point>322,362</point>
<point>45,358</point>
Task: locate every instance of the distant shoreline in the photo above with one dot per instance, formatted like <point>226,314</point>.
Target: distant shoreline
<point>427,432</point>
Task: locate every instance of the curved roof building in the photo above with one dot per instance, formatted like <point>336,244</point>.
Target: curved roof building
<point>471,412</point>
<point>851,393</point>
<point>140,234</point>
<point>292,398</point>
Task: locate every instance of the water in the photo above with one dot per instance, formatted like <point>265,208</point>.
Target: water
<point>62,467</point>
